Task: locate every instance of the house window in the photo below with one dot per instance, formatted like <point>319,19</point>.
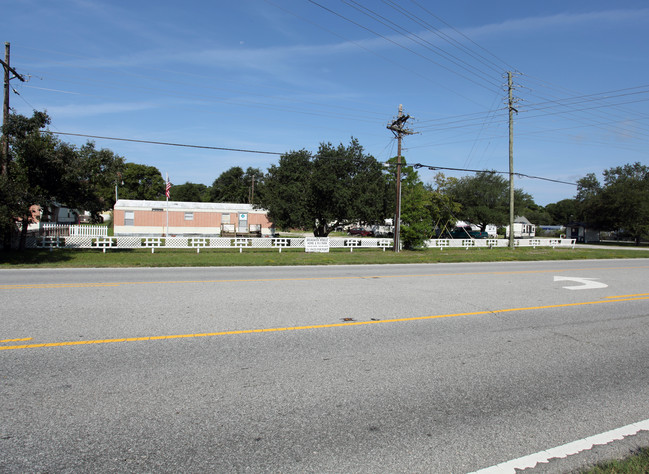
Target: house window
<point>189,216</point>
<point>225,218</point>
<point>129,217</point>
<point>157,209</point>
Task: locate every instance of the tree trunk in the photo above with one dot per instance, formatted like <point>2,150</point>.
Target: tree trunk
<point>321,231</point>
<point>23,233</point>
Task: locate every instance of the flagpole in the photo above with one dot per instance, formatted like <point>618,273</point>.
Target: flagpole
<point>167,194</point>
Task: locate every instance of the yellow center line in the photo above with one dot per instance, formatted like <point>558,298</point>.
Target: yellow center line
<point>56,285</point>
<point>318,326</point>
<point>265,280</point>
<point>16,340</point>
<point>628,296</point>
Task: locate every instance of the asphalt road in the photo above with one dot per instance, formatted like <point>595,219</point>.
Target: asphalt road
<point>405,368</point>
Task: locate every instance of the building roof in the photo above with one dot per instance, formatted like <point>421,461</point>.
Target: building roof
<point>522,220</point>
<point>181,205</point>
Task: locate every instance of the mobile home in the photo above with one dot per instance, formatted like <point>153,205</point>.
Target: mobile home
<point>155,218</point>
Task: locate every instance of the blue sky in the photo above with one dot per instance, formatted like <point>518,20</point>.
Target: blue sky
<point>284,75</point>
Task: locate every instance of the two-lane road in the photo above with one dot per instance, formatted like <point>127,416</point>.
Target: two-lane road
<point>418,368</point>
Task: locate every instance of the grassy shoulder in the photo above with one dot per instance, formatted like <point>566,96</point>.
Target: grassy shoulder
<point>87,258</point>
<point>637,463</point>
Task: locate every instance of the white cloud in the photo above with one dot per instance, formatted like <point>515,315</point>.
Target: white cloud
<point>543,23</point>
<point>88,110</point>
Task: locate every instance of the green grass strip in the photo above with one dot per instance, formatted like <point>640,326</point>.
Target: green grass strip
<point>80,258</point>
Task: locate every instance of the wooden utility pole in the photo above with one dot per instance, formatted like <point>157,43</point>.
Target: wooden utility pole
<point>398,128</point>
<point>510,89</point>
<point>5,107</point>
<point>5,112</point>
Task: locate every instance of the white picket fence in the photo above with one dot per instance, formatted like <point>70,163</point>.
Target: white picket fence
<point>494,243</point>
<point>49,229</point>
<point>242,243</point>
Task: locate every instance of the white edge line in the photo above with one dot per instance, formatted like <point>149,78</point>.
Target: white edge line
<point>565,450</point>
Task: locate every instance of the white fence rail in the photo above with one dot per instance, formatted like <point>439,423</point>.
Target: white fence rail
<point>493,243</point>
<point>74,230</point>
<point>243,243</point>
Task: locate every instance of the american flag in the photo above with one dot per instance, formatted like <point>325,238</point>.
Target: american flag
<point>167,188</point>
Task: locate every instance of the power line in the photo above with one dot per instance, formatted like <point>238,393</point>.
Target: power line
<point>421,41</point>
<point>465,36</point>
<point>396,43</point>
<point>169,144</point>
<point>521,175</point>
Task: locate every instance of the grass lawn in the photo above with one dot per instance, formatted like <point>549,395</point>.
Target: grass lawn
<point>260,257</point>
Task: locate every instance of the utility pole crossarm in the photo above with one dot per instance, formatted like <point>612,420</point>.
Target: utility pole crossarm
<point>15,73</point>
<point>397,126</point>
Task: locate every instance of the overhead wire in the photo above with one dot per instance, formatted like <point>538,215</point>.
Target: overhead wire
<point>531,107</point>
<point>520,175</point>
<point>183,145</point>
<point>190,86</point>
<point>417,39</point>
<point>507,66</point>
<point>370,51</point>
<point>547,107</point>
<point>592,116</point>
<point>445,37</point>
<point>396,43</point>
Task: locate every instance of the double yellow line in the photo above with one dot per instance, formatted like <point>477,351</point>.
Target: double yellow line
<point>608,299</point>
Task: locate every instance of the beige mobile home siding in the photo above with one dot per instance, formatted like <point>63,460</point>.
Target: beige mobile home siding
<point>206,217</point>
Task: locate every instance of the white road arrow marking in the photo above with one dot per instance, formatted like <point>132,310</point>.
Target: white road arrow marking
<point>584,283</point>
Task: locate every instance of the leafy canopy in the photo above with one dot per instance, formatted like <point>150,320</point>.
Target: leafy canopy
<point>621,203</point>
<point>45,171</point>
<point>484,199</point>
<point>236,185</point>
<point>339,185</point>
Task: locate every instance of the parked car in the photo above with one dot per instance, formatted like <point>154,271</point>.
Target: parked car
<point>467,232</point>
<point>360,231</point>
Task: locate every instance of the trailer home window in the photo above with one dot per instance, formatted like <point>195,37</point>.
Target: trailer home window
<point>225,218</point>
<point>189,216</point>
<point>129,217</point>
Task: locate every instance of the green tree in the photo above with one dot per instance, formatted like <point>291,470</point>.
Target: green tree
<point>42,170</point>
<point>621,203</point>
<point>141,182</point>
<point>337,186</point>
<point>589,200</point>
<point>287,190</point>
<point>236,185</point>
<point>536,214</point>
<point>416,206</point>
<point>443,209</point>
<point>423,206</point>
<point>37,170</point>
<point>484,198</point>
<point>562,212</point>
<point>347,186</point>
<point>189,192</point>
<point>99,172</point>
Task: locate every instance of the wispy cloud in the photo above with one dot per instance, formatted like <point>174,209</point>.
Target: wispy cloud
<point>289,64</point>
<point>561,20</point>
<point>88,110</point>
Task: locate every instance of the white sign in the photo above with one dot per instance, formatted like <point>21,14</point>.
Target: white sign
<point>316,244</point>
<point>243,217</point>
<point>584,283</point>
